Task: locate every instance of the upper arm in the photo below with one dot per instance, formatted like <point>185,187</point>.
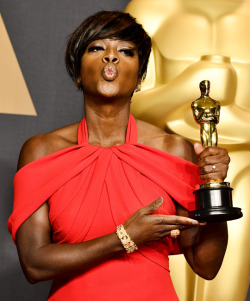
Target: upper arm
<point>35,231</point>
<point>188,238</point>
<point>32,235</point>
<point>181,148</point>
<point>153,136</point>
<point>44,144</point>
<point>175,145</point>
<point>33,149</point>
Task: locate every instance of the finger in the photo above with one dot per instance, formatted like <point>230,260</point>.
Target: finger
<point>210,151</point>
<point>213,151</point>
<point>153,206</point>
<point>174,220</point>
<point>211,160</point>
<point>213,169</point>
<point>215,177</point>
<point>198,148</point>
<point>166,229</point>
<point>216,172</point>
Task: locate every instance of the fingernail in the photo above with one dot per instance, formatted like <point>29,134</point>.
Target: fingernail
<point>159,201</point>
<point>194,222</point>
<point>203,223</point>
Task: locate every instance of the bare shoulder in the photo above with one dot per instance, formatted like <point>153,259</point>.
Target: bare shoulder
<point>153,136</point>
<point>44,144</point>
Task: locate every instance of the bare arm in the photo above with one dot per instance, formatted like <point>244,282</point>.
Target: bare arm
<point>41,259</point>
<point>204,247</point>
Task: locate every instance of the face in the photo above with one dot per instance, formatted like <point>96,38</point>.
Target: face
<point>110,68</point>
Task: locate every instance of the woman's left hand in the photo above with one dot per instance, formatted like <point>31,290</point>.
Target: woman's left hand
<point>213,162</point>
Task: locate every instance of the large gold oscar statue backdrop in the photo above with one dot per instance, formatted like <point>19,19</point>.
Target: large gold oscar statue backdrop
<point>195,40</point>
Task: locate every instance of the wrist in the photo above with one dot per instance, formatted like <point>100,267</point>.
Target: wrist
<point>125,239</point>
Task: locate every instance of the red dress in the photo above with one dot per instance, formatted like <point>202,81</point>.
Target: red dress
<point>90,191</point>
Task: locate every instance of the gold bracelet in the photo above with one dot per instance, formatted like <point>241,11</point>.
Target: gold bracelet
<point>125,239</point>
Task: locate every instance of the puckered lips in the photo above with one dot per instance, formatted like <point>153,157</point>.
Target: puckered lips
<point>109,72</point>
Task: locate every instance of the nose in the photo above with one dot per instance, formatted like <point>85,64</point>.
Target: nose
<point>110,56</point>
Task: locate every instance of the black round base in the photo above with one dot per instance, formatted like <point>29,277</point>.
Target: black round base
<point>219,214</point>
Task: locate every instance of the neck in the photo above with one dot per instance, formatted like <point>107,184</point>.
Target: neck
<point>107,122</point>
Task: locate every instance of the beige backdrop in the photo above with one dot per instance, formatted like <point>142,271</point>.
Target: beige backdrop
<point>194,40</point>
<point>14,95</point>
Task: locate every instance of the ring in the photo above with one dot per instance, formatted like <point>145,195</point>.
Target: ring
<point>213,168</point>
<point>175,233</point>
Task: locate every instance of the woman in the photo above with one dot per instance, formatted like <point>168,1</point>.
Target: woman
<point>77,185</point>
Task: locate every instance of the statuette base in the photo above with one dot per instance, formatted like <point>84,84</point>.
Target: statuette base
<point>214,203</point>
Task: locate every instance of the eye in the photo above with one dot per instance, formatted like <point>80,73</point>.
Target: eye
<point>95,48</point>
<point>127,51</point>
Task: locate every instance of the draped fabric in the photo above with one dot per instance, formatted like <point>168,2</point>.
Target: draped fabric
<point>92,189</point>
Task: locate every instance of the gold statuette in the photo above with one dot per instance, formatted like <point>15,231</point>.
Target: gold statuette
<point>207,113</point>
<point>213,199</point>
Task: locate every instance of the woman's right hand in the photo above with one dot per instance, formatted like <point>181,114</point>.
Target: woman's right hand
<point>143,226</point>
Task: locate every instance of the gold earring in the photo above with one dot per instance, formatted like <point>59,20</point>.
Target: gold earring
<point>138,88</point>
<point>77,82</point>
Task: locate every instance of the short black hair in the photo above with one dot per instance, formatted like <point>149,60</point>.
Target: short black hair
<point>104,25</point>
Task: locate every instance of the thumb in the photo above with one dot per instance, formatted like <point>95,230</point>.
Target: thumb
<point>198,148</point>
<point>153,206</point>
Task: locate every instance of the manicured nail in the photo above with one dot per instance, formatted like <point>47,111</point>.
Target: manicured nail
<point>203,223</point>
<point>159,201</point>
<point>194,222</point>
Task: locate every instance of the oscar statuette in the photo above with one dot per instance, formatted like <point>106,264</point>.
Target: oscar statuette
<point>213,199</point>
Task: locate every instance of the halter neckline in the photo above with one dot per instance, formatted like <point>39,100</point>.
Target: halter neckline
<point>131,133</point>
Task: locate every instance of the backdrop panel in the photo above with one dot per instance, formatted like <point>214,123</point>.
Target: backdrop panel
<point>37,31</point>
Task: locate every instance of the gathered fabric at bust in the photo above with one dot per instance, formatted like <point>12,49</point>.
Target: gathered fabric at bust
<point>91,190</point>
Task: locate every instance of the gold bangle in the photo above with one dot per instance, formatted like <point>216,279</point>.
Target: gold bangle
<point>125,239</point>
